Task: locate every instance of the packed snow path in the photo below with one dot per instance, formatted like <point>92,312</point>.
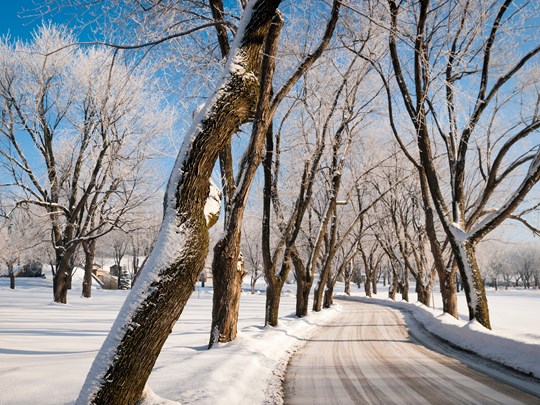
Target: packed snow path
<point>370,355</point>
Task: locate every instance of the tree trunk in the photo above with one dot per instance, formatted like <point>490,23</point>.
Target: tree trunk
<point>347,286</point>
<point>303,291</point>
<point>368,284</point>
<point>89,255</point>
<point>393,286</point>
<point>62,277</point>
<point>227,276</point>
<point>405,288</point>
<point>227,280</point>
<point>11,276</point>
<point>152,308</point>
<point>319,290</point>
<point>273,298</point>
<point>304,281</point>
<point>328,295</point>
<point>473,284</point>
<point>374,283</point>
<point>69,277</point>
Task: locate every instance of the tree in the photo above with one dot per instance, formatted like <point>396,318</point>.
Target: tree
<point>226,251</point>
<point>169,274</point>
<point>75,127</point>
<point>450,56</point>
<point>20,236</point>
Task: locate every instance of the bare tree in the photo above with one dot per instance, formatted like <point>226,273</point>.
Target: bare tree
<point>88,120</point>
<point>168,276</point>
<point>455,48</point>
<point>21,234</point>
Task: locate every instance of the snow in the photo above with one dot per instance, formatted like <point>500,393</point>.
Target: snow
<point>43,344</point>
<point>213,203</point>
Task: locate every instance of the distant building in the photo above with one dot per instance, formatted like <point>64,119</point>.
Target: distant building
<point>32,269</point>
<point>105,279</point>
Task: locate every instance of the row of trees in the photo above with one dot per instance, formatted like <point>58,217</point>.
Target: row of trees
<point>396,135</point>
<point>78,128</point>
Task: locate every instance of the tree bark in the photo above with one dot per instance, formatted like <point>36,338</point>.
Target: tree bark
<point>227,280</point>
<point>405,287</point>
<point>89,253</point>
<point>374,282</point>
<point>167,278</point>
<point>273,298</point>
<point>304,282</point>
<point>473,283</point>
<point>347,289</point>
<point>328,295</point>
<point>447,281</point>
<point>319,290</point>
<point>62,277</point>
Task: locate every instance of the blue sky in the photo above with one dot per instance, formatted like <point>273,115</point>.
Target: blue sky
<point>11,23</point>
<point>19,19</point>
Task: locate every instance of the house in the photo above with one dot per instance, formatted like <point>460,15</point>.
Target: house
<point>105,279</point>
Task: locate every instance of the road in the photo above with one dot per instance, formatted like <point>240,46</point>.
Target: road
<point>369,355</point>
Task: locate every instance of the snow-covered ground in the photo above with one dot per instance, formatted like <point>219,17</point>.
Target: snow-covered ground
<point>46,349</point>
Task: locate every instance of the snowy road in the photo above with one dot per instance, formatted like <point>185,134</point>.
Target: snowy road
<point>369,355</point>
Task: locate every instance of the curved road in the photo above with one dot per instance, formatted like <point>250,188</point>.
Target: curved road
<point>368,356</point>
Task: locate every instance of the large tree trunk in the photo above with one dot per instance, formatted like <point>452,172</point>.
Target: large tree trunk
<point>405,287</point>
<point>347,289</point>
<point>393,286</point>
<point>273,298</point>
<point>167,278</point>
<point>303,290</point>
<point>447,281</point>
<point>367,287</point>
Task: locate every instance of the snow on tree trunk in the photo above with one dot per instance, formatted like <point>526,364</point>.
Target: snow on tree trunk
<point>123,365</point>
<point>319,289</point>
<point>473,283</point>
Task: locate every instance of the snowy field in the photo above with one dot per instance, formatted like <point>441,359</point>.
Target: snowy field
<point>46,349</point>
